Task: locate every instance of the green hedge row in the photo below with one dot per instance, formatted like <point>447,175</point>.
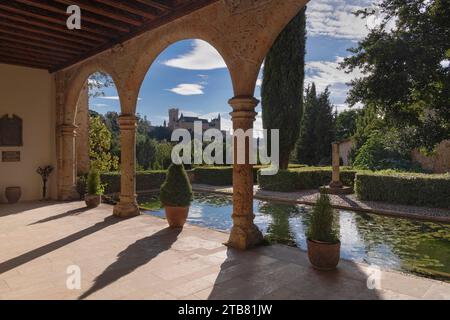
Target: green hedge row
<point>303,179</point>
<point>404,188</point>
<point>145,180</point>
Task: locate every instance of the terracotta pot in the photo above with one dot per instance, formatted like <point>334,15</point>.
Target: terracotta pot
<point>324,256</point>
<point>176,216</point>
<point>13,194</point>
<point>92,201</point>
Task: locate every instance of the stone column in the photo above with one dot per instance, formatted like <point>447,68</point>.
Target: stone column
<point>127,206</point>
<point>82,138</point>
<point>244,234</point>
<point>336,175</point>
<point>68,163</point>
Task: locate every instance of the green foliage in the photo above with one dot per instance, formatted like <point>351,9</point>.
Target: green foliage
<point>219,176</point>
<point>283,81</point>
<point>98,82</point>
<point>306,178</point>
<point>404,78</point>
<point>322,226</point>
<point>345,124</point>
<point>378,153</point>
<point>100,146</point>
<point>81,185</point>
<point>317,129</point>
<point>404,188</point>
<point>145,181</point>
<point>176,191</point>
<point>93,183</point>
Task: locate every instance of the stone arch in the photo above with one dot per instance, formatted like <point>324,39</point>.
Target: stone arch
<point>153,49</point>
<point>75,86</point>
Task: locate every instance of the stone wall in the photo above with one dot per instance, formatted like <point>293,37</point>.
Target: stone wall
<point>439,162</point>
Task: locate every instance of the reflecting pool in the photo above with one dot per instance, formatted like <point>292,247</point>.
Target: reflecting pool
<point>417,247</point>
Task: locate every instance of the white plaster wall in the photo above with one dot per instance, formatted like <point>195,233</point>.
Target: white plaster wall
<point>29,93</point>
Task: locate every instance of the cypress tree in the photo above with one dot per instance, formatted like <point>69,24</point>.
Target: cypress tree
<point>306,148</point>
<point>324,128</point>
<point>282,88</point>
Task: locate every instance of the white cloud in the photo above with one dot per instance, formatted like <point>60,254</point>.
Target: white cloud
<point>334,18</point>
<point>202,57</point>
<point>188,89</point>
<point>112,98</point>
<point>259,82</point>
<point>100,105</point>
<point>326,74</point>
<point>109,97</point>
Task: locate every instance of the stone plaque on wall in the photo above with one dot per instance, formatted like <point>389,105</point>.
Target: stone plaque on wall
<point>11,156</point>
<point>11,131</point>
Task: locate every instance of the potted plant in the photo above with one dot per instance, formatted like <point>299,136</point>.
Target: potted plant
<point>324,247</point>
<point>176,196</point>
<point>45,173</point>
<point>95,189</point>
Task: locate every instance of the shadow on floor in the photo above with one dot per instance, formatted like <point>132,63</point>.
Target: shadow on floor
<point>74,212</point>
<point>41,251</point>
<point>22,207</point>
<point>136,255</point>
<point>281,273</point>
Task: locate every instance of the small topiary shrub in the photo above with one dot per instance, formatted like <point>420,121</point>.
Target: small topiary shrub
<point>322,226</point>
<point>93,184</point>
<point>176,191</point>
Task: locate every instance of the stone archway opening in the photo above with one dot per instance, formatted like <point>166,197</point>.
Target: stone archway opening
<point>187,83</point>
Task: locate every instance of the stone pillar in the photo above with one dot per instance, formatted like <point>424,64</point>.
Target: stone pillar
<point>244,234</point>
<point>68,164</point>
<point>336,175</point>
<point>82,138</point>
<point>127,206</point>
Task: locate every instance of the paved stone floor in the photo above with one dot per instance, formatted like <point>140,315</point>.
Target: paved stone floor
<point>140,258</point>
<point>345,202</point>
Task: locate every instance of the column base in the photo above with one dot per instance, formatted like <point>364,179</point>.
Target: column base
<point>126,210</point>
<point>69,194</point>
<point>244,238</point>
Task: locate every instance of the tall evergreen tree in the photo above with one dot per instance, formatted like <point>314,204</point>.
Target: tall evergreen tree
<point>306,147</point>
<point>282,87</point>
<point>324,128</point>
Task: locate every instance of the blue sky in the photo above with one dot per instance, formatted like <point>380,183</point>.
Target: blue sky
<point>191,75</point>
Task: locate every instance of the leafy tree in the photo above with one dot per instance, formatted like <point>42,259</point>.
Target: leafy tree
<point>406,74</point>
<point>282,87</point>
<point>100,147</point>
<point>345,124</point>
<point>97,82</point>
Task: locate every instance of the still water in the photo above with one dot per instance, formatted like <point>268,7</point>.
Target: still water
<point>401,244</point>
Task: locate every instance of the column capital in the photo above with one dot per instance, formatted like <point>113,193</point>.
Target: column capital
<point>243,103</point>
<point>127,122</point>
<point>68,129</point>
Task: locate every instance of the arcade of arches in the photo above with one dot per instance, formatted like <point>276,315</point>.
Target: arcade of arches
<point>242,32</point>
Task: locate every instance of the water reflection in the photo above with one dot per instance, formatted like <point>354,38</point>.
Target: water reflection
<point>412,246</point>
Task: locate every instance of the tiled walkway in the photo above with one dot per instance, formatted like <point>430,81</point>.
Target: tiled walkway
<point>345,202</point>
<point>140,258</point>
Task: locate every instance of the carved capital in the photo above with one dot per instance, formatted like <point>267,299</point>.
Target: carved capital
<point>127,122</point>
<point>68,130</point>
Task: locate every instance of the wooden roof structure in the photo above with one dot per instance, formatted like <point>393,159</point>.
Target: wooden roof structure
<point>33,33</point>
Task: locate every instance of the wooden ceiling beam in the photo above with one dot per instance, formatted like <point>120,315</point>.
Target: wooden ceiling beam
<point>108,12</point>
<point>23,28</point>
<point>46,16</point>
<point>46,25</point>
<point>27,56</point>
<point>37,50</point>
<point>61,10</point>
<point>36,43</point>
<point>132,8</point>
<point>24,63</point>
<point>40,39</point>
<point>156,4</point>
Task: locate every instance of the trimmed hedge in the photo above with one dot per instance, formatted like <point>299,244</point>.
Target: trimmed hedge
<point>219,176</point>
<point>145,180</point>
<point>303,179</point>
<point>404,188</point>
